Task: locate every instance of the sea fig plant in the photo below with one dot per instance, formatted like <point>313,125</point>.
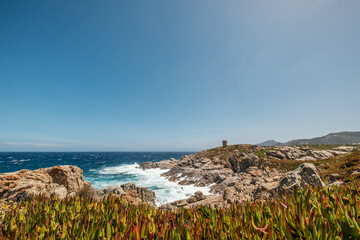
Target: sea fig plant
<point>310,213</point>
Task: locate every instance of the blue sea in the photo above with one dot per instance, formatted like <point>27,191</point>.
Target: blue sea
<point>104,169</point>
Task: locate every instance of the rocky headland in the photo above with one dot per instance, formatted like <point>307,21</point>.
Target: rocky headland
<point>246,172</point>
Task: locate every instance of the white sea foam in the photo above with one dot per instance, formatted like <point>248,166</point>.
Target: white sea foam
<point>24,160</point>
<point>165,190</point>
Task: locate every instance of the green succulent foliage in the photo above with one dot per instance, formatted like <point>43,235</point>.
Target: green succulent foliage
<point>311,213</point>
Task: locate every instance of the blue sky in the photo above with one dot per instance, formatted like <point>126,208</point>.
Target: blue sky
<point>175,75</point>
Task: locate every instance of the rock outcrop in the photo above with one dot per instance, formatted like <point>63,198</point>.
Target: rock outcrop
<point>242,172</point>
<point>64,181</point>
<point>305,174</point>
<point>242,161</point>
<point>61,181</point>
<point>302,153</point>
<point>129,192</point>
<point>143,193</point>
<point>231,179</point>
<point>166,164</point>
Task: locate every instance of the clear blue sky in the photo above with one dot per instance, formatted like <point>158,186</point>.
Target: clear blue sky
<point>175,75</point>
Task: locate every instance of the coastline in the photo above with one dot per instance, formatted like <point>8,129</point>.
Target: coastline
<point>59,202</point>
<point>224,175</point>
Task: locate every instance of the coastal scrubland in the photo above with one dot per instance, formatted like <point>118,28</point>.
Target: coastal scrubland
<point>331,212</point>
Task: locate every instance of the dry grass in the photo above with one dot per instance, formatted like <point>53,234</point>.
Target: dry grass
<point>87,192</point>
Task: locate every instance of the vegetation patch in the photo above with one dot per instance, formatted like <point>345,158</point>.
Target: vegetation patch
<point>326,146</point>
<point>262,153</point>
<point>345,166</point>
<point>310,213</point>
<point>4,207</point>
<point>284,165</point>
<point>224,153</point>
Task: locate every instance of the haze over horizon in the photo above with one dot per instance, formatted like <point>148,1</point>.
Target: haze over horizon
<point>175,75</point>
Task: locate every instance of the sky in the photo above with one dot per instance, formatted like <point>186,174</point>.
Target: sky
<point>166,75</point>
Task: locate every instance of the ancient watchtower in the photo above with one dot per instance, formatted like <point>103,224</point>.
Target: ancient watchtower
<point>224,143</point>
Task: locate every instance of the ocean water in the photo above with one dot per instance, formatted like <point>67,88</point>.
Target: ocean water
<point>104,169</point>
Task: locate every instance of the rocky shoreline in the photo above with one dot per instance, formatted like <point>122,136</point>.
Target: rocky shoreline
<point>238,173</point>
<point>234,174</point>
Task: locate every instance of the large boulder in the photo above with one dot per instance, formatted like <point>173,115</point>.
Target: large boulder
<point>71,177</point>
<point>275,154</point>
<point>61,181</point>
<point>242,161</point>
<point>129,192</point>
<point>165,164</point>
<point>143,194</point>
<point>322,154</point>
<point>305,174</point>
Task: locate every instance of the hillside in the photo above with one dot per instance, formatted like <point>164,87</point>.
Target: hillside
<point>332,138</point>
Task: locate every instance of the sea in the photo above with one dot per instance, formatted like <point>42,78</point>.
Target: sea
<point>104,169</point>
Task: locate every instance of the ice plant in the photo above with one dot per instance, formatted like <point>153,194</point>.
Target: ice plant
<point>311,213</point>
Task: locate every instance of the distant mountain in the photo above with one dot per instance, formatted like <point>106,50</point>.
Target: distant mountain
<point>332,138</point>
<point>270,143</point>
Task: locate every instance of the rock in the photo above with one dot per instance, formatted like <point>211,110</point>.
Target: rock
<point>321,154</point>
<point>61,181</point>
<point>344,148</point>
<point>199,196</point>
<point>254,172</point>
<point>129,186</point>
<point>263,191</point>
<point>144,195</point>
<point>117,190</point>
<point>336,153</point>
<point>240,162</point>
<point>305,174</point>
<point>131,193</point>
<point>334,177</point>
<point>166,164</point>
<point>69,176</point>
<point>182,203</point>
<point>148,165</point>
<point>336,183</point>
<point>231,195</point>
<point>191,200</point>
<point>131,197</point>
<point>275,154</point>
<point>307,158</point>
<point>186,182</point>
